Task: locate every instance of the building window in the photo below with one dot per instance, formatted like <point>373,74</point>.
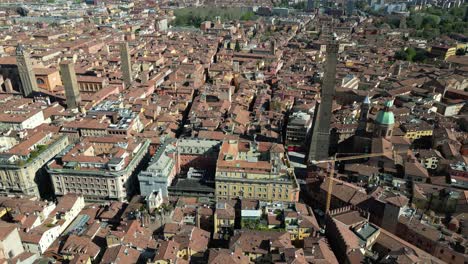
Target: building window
<point>40,81</point>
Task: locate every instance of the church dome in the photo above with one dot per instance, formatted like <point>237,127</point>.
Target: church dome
<point>385,116</point>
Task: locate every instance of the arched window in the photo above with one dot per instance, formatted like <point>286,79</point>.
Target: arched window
<point>40,81</point>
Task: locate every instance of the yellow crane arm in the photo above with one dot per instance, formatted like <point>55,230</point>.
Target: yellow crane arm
<point>332,169</point>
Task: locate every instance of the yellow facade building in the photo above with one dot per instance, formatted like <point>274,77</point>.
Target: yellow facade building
<point>224,218</point>
<point>416,131</point>
<point>254,170</point>
<point>443,51</point>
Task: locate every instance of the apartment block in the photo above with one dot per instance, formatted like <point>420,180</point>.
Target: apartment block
<point>19,113</point>
<point>254,170</point>
<point>298,129</point>
<point>38,239</point>
<point>22,158</point>
<point>99,168</point>
<point>181,156</point>
<point>10,241</point>
<point>161,171</point>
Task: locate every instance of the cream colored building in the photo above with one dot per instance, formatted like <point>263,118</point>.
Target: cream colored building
<point>18,119</point>
<point>90,169</point>
<point>10,241</point>
<point>20,166</point>
<point>68,208</point>
<point>255,170</point>
<point>39,239</point>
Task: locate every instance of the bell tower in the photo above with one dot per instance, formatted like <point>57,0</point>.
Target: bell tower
<point>363,115</point>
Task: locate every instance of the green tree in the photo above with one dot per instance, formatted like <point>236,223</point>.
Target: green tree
<point>362,5</point>
<point>194,16</point>
<point>299,6</point>
<point>394,22</point>
<point>431,21</point>
<point>416,21</point>
<point>247,16</point>
<point>457,11</point>
<point>410,53</point>
<point>431,33</point>
<point>237,48</point>
<point>420,56</point>
<point>461,52</point>
<point>460,27</point>
<point>400,55</point>
<point>434,11</point>
<point>282,3</point>
<point>465,18</point>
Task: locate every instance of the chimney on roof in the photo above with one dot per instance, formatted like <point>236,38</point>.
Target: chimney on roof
<point>8,86</point>
<point>235,66</point>
<point>397,69</point>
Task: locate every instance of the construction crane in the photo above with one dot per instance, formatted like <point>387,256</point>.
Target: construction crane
<point>332,168</point>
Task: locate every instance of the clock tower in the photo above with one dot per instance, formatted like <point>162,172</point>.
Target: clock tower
<point>25,70</point>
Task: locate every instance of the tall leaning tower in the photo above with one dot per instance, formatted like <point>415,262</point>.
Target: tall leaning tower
<point>126,64</point>
<point>26,74</point>
<point>320,142</point>
<point>72,92</point>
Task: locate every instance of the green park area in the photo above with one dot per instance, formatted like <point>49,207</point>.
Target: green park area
<point>431,22</point>
<point>193,17</point>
